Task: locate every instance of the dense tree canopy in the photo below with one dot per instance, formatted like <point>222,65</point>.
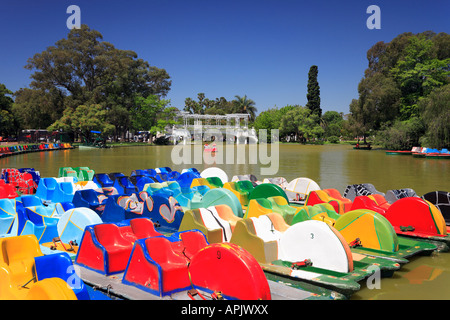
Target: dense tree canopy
<point>84,70</point>
<point>294,122</point>
<point>399,76</point>
<point>435,109</point>
<point>84,119</point>
<point>7,122</point>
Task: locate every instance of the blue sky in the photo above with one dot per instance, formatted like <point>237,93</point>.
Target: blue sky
<point>262,49</point>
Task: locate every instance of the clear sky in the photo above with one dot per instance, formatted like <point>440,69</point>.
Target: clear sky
<point>262,49</point>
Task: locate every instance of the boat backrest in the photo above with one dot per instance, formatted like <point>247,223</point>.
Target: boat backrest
<point>299,188</point>
<point>265,229</point>
<point>109,235</point>
<point>161,251</point>
<point>143,228</point>
<point>18,248</point>
<point>7,207</point>
<point>192,241</point>
<point>212,220</point>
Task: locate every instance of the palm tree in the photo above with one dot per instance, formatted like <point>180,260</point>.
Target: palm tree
<point>245,105</point>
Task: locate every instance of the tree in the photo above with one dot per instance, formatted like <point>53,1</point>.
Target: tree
<point>166,119</point>
<point>436,115</point>
<point>87,71</point>
<point>332,123</point>
<point>87,68</point>
<point>38,109</point>
<point>245,105</point>
<point>84,119</point>
<point>271,118</point>
<point>414,64</point>
<point>7,120</point>
<point>418,72</point>
<point>402,135</point>
<point>313,94</point>
<point>302,123</point>
<point>196,107</point>
<point>151,114</point>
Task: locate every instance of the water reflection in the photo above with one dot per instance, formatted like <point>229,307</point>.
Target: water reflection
<point>423,278</point>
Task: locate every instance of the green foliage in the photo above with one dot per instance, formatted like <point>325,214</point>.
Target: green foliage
<point>332,123</point>
<point>83,119</point>
<point>271,118</point>
<point>152,114</point>
<point>165,120</point>
<point>313,94</point>
<point>418,73</point>
<point>145,112</point>
<point>84,70</point>
<point>88,68</point>
<point>402,135</point>
<point>244,105</point>
<point>7,120</point>
<point>378,103</point>
<point>333,139</point>
<point>302,123</point>
<point>38,109</point>
<point>436,115</point>
<point>400,75</point>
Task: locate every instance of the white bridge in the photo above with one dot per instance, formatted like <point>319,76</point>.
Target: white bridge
<point>200,127</point>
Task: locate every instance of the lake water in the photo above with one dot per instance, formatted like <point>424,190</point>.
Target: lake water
<point>331,166</point>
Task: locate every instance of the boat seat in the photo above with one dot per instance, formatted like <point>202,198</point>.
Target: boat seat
<point>241,189</point>
<point>103,180</point>
<point>7,215</point>
<point>59,265</point>
<point>117,247</point>
<point>397,194</point>
<point>17,254</point>
<point>380,201</point>
<point>299,188</point>
<point>47,289</point>
<point>364,202</point>
<point>344,202</point>
<point>215,182</point>
<point>88,198</point>
<point>281,206</point>
<point>173,267</point>
<point>226,213</point>
<point>212,220</point>
<point>193,241</point>
<point>248,235</point>
<point>258,207</point>
<point>33,220</point>
<point>265,228</point>
<point>8,191</point>
<point>320,196</point>
<point>143,228</point>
